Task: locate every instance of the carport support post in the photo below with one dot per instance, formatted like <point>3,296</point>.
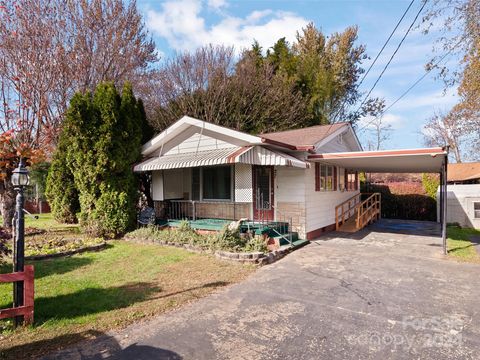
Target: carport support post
<point>443,196</point>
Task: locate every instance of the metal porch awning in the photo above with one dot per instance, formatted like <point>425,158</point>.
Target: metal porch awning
<point>428,160</point>
<point>255,155</point>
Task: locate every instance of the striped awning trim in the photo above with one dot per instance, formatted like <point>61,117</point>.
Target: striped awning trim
<point>255,155</point>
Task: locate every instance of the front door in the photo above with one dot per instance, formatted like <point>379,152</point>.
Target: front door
<point>263,194</point>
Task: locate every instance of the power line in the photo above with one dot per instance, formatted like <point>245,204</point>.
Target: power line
<point>394,53</point>
<point>378,55</point>
<point>409,89</point>
<point>386,43</point>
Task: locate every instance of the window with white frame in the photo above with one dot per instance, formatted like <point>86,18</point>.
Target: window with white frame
<point>212,183</point>
<point>325,177</point>
<point>476,210</point>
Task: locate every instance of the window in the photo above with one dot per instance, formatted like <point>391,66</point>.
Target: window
<point>476,210</point>
<point>351,180</point>
<point>325,177</point>
<point>217,183</point>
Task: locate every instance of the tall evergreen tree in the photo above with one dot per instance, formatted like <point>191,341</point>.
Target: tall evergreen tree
<point>105,133</point>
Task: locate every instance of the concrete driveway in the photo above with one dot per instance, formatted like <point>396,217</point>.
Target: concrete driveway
<point>385,292</point>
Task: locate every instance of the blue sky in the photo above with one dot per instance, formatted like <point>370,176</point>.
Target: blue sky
<point>187,24</point>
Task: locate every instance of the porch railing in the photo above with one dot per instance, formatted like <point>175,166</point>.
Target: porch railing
<point>194,210</point>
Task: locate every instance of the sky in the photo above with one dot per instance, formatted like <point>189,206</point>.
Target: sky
<point>184,25</point>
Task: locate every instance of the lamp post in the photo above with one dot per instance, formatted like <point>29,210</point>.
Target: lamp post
<point>20,179</point>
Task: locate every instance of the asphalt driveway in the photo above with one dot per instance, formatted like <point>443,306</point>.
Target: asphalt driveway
<point>385,292</point>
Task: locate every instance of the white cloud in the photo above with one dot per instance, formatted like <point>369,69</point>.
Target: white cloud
<point>182,25</point>
<point>217,4</point>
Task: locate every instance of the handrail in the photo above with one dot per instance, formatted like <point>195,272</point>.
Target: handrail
<point>346,214</point>
<point>367,209</point>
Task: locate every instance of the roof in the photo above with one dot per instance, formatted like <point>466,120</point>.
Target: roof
<point>463,171</point>
<point>401,161</point>
<point>305,138</point>
<point>257,155</point>
<point>187,126</point>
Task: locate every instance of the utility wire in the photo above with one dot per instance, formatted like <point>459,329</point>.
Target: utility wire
<point>409,89</point>
<point>386,43</point>
<point>376,57</point>
<point>394,53</point>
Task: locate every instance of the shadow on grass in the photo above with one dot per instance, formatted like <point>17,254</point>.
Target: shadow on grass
<point>91,301</point>
<point>95,345</point>
<point>96,300</point>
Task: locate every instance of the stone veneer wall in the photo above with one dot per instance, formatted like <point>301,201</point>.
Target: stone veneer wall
<point>294,211</point>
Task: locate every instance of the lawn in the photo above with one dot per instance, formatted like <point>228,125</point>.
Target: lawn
<point>459,245</point>
<point>83,296</point>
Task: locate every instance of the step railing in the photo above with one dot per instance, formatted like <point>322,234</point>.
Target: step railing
<point>369,209</point>
<point>263,216</point>
<point>346,210</point>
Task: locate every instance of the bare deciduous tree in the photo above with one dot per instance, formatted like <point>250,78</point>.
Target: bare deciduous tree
<point>446,129</point>
<point>210,85</point>
<point>380,132</point>
<point>51,48</point>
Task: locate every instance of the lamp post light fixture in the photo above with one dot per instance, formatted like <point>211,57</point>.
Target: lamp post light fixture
<point>20,179</point>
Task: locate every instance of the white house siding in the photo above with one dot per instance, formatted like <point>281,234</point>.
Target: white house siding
<point>320,205</point>
<point>199,142</point>
<point>157,186</point>
<point>336,145</point>
<point>290,197</point>
<point>243,183</point>
<point>460,204</point>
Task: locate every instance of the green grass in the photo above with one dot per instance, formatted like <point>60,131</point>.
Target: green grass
<point>459,245</point>
<point>83,296</point>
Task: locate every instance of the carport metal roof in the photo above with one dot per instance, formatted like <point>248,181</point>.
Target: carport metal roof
<point>429,160</point>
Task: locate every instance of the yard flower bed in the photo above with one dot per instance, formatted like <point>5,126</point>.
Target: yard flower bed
<point>227,239</point>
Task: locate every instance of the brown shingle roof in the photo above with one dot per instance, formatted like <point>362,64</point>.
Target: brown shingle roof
<point>463,171</point>
<point>305,137</point>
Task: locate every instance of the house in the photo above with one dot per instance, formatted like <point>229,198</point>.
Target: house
<point>306,178</point>
<point>463,194</point>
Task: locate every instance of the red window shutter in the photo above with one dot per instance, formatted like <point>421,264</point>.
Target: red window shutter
<point>356,180</point>
<point>317,177</point>
<point>334,178</point>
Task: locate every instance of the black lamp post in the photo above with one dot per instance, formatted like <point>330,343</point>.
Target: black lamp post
<point>20,179</point>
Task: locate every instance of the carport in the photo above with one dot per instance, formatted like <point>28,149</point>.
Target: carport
<point>427,160</point>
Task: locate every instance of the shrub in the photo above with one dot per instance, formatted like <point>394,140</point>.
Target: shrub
<point>406,206</point>
<point>104,132</point>
<point>430,184</point>
<point>230,239</point>
<point>256,243</point>
<point>60,189</point>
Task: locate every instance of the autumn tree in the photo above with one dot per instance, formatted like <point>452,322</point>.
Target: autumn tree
<point>458,22</point>
<point>49,49</point>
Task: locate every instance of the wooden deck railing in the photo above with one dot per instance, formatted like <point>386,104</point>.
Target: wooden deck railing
<point>26,310</point>
<point>368,210</point>
<point>347,210</point>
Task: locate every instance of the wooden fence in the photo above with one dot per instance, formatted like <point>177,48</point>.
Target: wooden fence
<point>26,310</point>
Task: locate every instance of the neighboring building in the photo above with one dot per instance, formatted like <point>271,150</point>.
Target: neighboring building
<point>464,173</point>
<point>205,171</point>
<point>463,194</point>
